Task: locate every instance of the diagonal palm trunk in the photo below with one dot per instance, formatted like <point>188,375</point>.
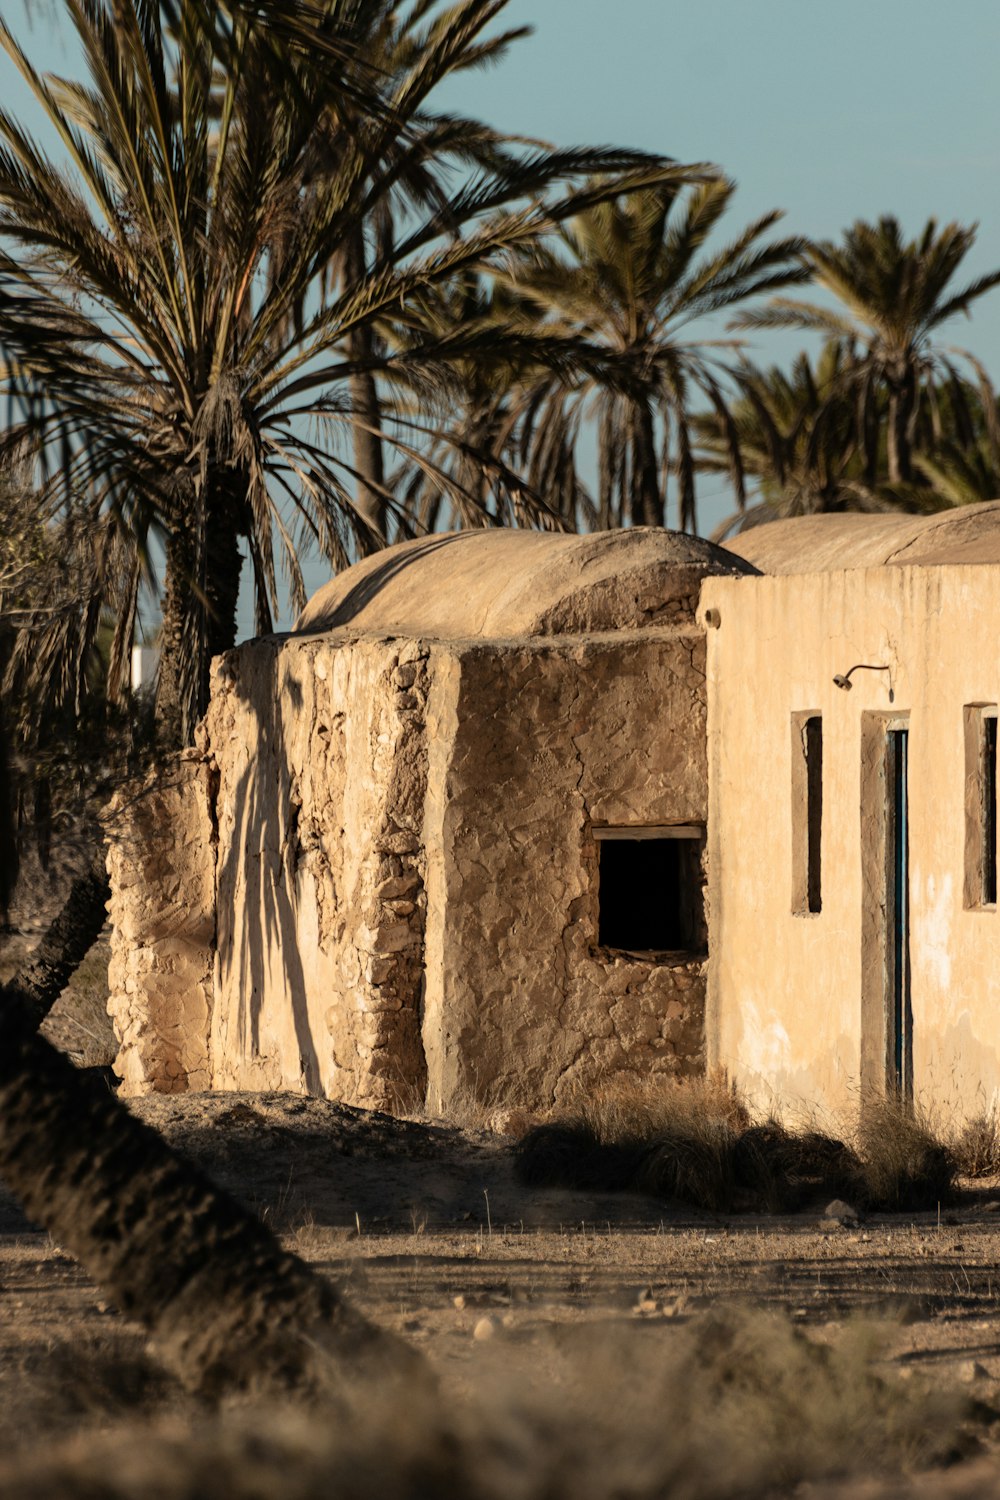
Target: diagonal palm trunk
<point>64,945</point>
<point>227,1307</point>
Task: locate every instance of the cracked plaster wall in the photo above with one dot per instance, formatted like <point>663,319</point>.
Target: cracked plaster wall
<point>384,851</point>
<point>322,772</point>
<point>544,739</point>
<point>161,864</point>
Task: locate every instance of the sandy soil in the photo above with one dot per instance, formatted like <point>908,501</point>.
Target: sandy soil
<point>429,1231</point>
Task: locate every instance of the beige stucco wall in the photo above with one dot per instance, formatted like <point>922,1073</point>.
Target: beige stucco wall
<point>785,992</point>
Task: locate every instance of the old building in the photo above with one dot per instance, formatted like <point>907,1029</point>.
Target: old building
<point>853,692</point>
<point>444,840</point>
<point>448,838</point>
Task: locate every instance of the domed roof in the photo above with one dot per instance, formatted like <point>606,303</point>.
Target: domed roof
<point>817,544</point>
<point>503,582</point>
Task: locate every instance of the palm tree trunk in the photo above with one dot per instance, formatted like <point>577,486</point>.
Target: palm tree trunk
<point>199,618</point>
<point>9,854</point>
<point>365,405</point>
<point>899,444</point>
<point>178,686</point>
<point>66,942</point>
<point>228,522</point>
<point>227,1307</point>
<point>647,504</point>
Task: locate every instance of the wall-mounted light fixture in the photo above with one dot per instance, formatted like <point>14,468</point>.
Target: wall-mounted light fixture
<point>843,679</point>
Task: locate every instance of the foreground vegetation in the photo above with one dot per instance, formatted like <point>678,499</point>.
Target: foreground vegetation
<point>564,1343</point>
<point>698,1142</point>
<point>739,1405</point>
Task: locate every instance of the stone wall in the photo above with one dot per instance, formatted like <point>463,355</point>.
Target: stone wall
<point>322,772</point>
<point>382,874</point>
<point>547,739</point>
<point>161,864</point>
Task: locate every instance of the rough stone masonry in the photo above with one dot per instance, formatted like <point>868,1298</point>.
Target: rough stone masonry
<point>377,876</point>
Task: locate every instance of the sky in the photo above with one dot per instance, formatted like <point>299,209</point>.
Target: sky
<point>829,112</point>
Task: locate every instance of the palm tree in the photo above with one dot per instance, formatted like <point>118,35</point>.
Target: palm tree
<point>618,289</point>
<point>397,37</point>
<point>795,434</point>
<point>229,1309</point>
<point>894,298</point>
<point>165,303</point>
<point>961,464</point>
<point>798,437</point>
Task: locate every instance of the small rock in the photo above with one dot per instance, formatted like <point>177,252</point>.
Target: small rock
<point>512,1123</point>
<point>993,1207</point>
<point>971,1370</point>
<point>840,1212</point>
<point>459,1302</point>
<point>508,1320</point>
<point>485,1329</point>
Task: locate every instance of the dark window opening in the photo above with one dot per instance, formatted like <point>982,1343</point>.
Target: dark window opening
<point>807,813</point>
<point>980,806</point>
<point>812,740</point>
<point>990,811</point>
<point>650,895</point>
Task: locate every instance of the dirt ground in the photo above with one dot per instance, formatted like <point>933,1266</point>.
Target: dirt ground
<point>430,1233</point>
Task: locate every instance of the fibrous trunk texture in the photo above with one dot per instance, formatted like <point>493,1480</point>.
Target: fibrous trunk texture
<point>66,942</point>
<point>199,606</point>
<point>647,505</point>
<point>899,437</point>
<point>228,1308</point>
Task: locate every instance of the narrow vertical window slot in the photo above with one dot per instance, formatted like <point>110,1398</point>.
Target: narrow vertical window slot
<point>807,814</point>
<point>980,806</point>
<point>990,810</point>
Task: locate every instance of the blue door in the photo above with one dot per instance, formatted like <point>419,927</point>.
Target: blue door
<point>899,1017</point>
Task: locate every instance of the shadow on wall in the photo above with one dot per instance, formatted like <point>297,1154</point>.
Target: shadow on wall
<point>261,850</point>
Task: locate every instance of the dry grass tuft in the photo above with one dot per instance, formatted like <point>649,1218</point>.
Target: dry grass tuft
<point>629,1108</point>
<point>976,1147</point>
<point>905,1167</point>
<point>698,1143</point>
<point>737,1407</point>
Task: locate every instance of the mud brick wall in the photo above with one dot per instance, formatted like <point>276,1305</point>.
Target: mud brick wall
<point>322,772</point>
<point>161,864</point>
<point>540,741</point>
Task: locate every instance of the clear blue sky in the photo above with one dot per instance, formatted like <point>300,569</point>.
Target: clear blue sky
<point>831,112</point>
